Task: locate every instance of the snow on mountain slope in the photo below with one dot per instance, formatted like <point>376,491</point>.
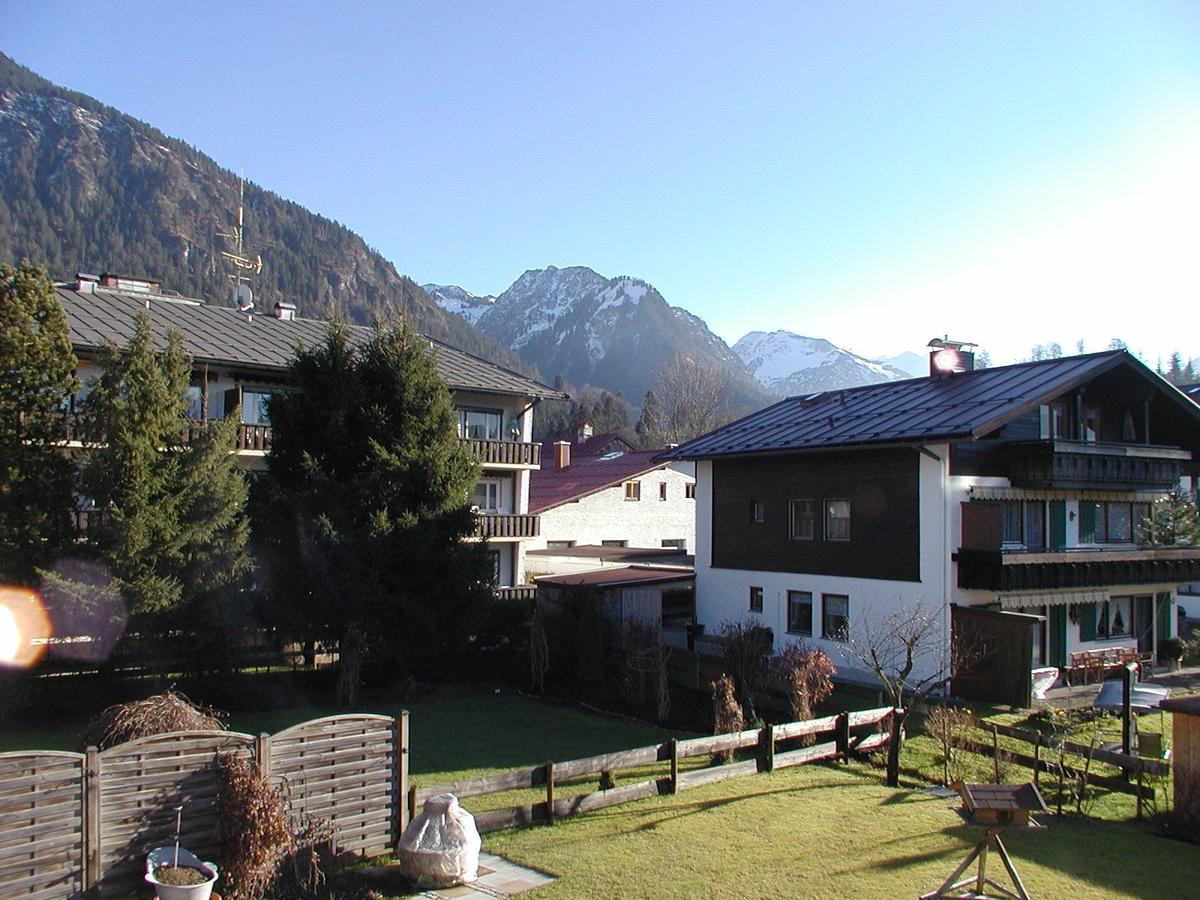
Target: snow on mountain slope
<point>916,365</point>
<point>786,363</point>
<point>459,302</point>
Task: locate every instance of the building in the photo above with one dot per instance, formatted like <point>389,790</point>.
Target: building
<point>1018,489</point>
<point>241,358</point>
<point>612,497</point>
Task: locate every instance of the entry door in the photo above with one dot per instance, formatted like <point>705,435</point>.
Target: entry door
<point>1056,644</point>
<point>1143,622</point>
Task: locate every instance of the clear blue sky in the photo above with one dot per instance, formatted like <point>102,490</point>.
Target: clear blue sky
<point>876,174</point>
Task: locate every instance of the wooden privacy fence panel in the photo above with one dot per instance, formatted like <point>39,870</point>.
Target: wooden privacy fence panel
<point>345,769</point>
<point>845,743</point>
<point>41,824</point>
<point>141,783</point>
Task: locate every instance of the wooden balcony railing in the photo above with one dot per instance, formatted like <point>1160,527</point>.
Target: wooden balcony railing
<point>502,525</point>
<point>994,570</point>
<point>253,437</point>
<point>1078,464</point>
<point>520,593</point>
<point>246,438</point>
<point>504,453</point>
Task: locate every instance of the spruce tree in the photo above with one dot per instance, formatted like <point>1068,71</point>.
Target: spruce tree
<point>37,366</point>
<point>362,521</point>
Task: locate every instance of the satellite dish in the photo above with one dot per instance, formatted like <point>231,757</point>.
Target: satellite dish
<point>244,297</point>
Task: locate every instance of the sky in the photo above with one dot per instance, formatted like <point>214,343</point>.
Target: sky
<point>875,174</point>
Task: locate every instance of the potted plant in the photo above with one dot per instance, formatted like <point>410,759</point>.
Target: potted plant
<point>178,874</point>
<point>1170,651</point>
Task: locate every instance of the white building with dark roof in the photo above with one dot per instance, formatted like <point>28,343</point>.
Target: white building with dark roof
<point>240,359</point>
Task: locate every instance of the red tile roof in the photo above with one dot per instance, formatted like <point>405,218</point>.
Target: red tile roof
<point>550,486</point>
<point>600,443</point>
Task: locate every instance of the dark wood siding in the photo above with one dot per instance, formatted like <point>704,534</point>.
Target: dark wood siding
<point>882,487</point>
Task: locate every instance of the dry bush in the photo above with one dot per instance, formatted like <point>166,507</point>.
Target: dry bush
<point>727,714</point>
<point>255,832</point>
<point>807,677</point>
<point>946,725</point>
<point>746,648</point>
<point>160,714</point>
<point>644,674</point>
<point>314,849</point>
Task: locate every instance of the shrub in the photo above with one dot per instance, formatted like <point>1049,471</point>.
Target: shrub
<point>1170,649</point>
<point>728,717</point>
<point>746,648</point>
<point>160,714</point>
<point>643,677</point>
<point>807,677</point>
<point>255,833</point>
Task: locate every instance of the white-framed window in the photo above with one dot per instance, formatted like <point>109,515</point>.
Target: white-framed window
<point>1114,617</point>
<point>677,543</point>
<point>662,490</point>
<point>835,616</point>
<point>756,599</point>
<point>803,516</point>
<point>559,545</point>
<point>612,542</point>
<point>487,494</point>
<point>254,406</point>
<point>689,491</point>
<point>800,612</point>
<point>633,490</point>
<point>1024,523</point>
<point>480,424</point>
<point>837,520</point>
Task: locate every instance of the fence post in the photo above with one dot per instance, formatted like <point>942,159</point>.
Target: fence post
<point>673,744</point>
<point>91,818</point>
<point>262,752</point>
<point>1037,761</point>
<point>996,753</point>
<point>768,741</point>
<point>549,767</point>
<point>404,814</point>
<point>841,736</point>
<point>412,803</point>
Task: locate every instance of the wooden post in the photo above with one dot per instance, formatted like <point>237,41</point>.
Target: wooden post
<point>91,818</point>
<point>1037,761</point>
<point>768,743</point>
<point>412,803</point>
<point>262,752</point>
<point>673,744</point>
<point>842,736</point>
<point>1127,678</point>
<point>550,792</point>
<point>996,753</point>
<point>400,787</point>
<point>1139,792</point>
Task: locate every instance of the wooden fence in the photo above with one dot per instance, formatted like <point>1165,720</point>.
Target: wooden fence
<point>844,733</point>
<point>70,822</point>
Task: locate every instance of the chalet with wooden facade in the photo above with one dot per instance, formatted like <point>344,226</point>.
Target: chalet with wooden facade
<point>1015,490</point>
<point>241,358</point>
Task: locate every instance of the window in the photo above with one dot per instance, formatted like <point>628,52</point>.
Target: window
<point>195,406</point>
<point>677,543</point>
<point>633,490</point>
<point>1113,617</point>
<point>662,490</point>
<point>559,545</point>
<point>480,424</point>
<point>803,520</point>
<point>1024,523</point>
<point>494,556</point>
<point>1118,523</point>
<point>254,407</point>
<point>1112,522</point>
<point>799,612</point>
<point>689,491</point>
<point>614,543</point>
<point>486,495</point>
<point>837,520</point>
<point>835,616</point>
<point>758,512</point>
<point>756,599</point>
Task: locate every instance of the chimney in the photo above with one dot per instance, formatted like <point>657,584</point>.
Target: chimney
<point>285,310</point>
<point>585,432</point>
<point>85,282</point>
<point>562,454</point>
<point>947,357</point>
<point>128,284</point>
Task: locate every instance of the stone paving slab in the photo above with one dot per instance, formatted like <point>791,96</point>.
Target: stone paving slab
<point>498,878</point>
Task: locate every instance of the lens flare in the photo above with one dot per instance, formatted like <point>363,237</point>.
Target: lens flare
<point>24,627</point>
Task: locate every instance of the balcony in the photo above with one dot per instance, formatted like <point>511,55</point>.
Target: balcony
<point>1036,570</point>
<point>504,454</point>
<point>1078,464</point>
<point>504,526</point>
<point>524,593</point>
<point>247,438</point>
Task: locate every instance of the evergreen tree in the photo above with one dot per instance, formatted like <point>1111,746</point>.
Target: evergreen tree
<point>362,520</point>
<point>37,363</point>
<point>649,426</point>
<point>173,530</point>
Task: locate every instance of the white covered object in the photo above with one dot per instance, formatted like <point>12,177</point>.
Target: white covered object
<point>440,847</point>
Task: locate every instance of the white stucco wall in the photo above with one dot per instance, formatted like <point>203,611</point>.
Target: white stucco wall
<point>607,515</point>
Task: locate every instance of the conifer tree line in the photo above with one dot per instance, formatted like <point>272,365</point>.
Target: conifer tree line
<point>354,535</point>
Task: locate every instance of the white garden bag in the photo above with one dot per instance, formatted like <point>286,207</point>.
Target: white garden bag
<point>440,847</point>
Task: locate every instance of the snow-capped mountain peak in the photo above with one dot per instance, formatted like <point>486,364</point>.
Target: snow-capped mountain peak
<point>786,363</point>
<point>458,301</point>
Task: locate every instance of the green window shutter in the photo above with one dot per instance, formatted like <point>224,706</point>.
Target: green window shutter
<point>1163,615</point>
<point>1057,634</point>
<point>1087,522</point>
<point>1087,621</point>
<point>1058,524</point>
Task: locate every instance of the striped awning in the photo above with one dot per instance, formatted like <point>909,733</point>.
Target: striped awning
<point>983,492</point>
<point>1051,598</point>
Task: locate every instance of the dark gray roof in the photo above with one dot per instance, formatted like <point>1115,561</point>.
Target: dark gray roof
<point>966,405</point>
<point>224,336</point>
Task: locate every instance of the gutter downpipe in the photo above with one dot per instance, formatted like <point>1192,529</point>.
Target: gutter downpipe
<point>945,558</point>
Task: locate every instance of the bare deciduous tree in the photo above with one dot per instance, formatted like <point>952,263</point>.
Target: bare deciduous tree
<point>908,653</point>
<point>687,395</point>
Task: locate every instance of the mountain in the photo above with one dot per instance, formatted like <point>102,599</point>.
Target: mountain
<point>608,332</point>
<point>787,364</point>
<point>84,187</point>
<point>458,301</point>
<point>915,365</point>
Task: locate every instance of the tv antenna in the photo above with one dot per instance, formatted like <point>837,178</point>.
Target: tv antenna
<point>243,265</point>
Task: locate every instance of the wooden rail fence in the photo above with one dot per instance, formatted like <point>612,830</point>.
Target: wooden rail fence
<point>844,731</point>
<point>73,822</point>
